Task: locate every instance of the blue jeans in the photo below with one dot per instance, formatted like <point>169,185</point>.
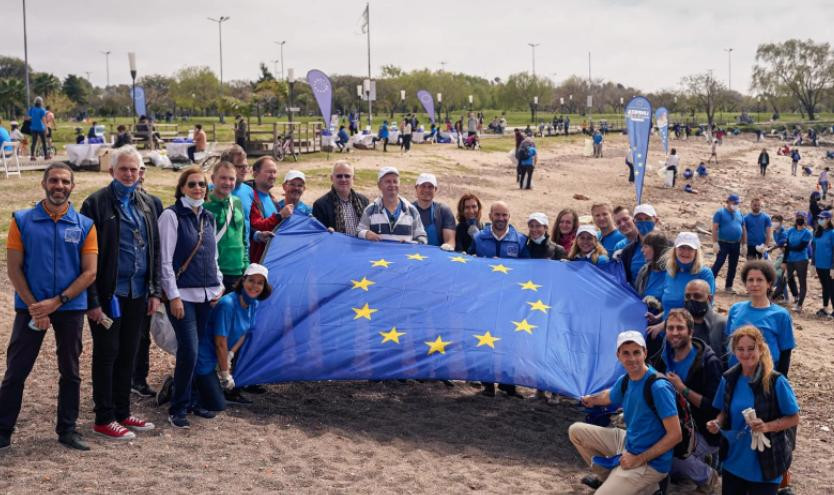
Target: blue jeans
<point>196,317</point>
<point>731,250</point>
<point>208,394</point>
<point>694,467</point>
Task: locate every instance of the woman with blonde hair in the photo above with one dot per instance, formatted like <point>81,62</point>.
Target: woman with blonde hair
<point>758,418</point>
<point>586,247</point>
<point>683,264</point>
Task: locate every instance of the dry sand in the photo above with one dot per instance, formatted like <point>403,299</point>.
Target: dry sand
<point>418,438</point>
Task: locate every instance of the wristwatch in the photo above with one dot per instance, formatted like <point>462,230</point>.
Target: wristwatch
<point>64,299</point>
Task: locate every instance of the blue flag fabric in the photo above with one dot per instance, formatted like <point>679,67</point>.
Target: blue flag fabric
<point>428,103</point>
<point>661,116</point>
<point>638,119</point>
<point>323,91</point>
<point>139,100</point>
<point>349,309</point>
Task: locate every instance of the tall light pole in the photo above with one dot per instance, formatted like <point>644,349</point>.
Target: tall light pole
<point>533,46</point>
<point>729,68</point>
<point>107,65</point>
<point>220,22</point>
<point>281,44</point>
<point>443,66</point>
<point>26,58</point>
<point>131,58</point>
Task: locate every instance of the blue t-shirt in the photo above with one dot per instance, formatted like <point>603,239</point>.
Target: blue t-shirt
<point>780,236</point>
<point>531,152</point>
<point>756,225</point>
<point>37,114</point>
<point>228,319</point>
<point>656,284</point>
<point>644,429</point>
<point>729,225</point>
<point>300,209</point>
<point>795,238</point>
<point>610,241</point>
<point>5,137</point>
<point>824,250</point>
<point>774,322</point>
<point>247,196</point>
<point>680,368</point>
<point>268,205</point>
<point>675,286</point>
<point>741,460</point>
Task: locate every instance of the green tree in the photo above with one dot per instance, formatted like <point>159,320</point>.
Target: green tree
<point>801,69</point>
<point>12,94</point>
<point>158,89</point>
<point>45,84</point>
<point>12,67</point>
<point>77,89</point>
<point>197,88</point>
<point>705,93</point>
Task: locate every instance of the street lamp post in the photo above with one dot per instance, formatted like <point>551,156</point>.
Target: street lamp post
<point>281,44</point>
<point>729,68</point>
<point>291,81</point>
<point>107,65</point>
<point>535,108</point>
<point>439,103</point>
<point>131,58</point>
<point>220,22</point>
<point>470,102</point>
<point>533,46</point>
<point>402,98</point>
<point>26,58</point>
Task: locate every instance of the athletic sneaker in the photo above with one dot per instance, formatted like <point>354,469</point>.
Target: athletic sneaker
<point>235,397</point>
<point>143,390</point>
<point>5,441</point>
<point>114,431</point>
<point>201,412</point>
<point>179,422</point>
<point>823,313</point>
<point>137,424</point>
<point>711,486</point>
<point>164,394</point>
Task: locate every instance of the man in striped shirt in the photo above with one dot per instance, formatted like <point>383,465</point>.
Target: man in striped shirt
<point>391,217</point>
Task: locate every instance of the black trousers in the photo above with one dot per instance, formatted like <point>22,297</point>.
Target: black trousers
<point>752,254</point>
<point>726,250</point>
<point>800,268</point>
<point>763,169</point>
<point>407,142</point>
<point>142,363</point>
<point>733,485</point>
<point>114,354</point>
<point>24,347</point>
<point>526,171</point>
<point>827,284</point>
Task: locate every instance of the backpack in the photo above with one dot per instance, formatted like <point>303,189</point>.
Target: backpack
<point>686,446</point>
<point>523,152</point>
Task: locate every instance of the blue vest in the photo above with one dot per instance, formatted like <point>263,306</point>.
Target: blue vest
<point>52,254</point>
<point>202,270</point>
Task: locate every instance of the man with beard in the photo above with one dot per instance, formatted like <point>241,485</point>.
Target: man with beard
<point>609,235</point>
<point>708,325</point>
<point>695,372</point>
<point>340,209</point>
<point>52,252</point>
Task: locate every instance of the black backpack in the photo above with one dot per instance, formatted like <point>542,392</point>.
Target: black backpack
<point>687,444</point>
<point>523,152</point>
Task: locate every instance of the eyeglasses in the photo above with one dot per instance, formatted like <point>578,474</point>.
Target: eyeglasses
<point>243,167</point>
<point>192,184</point>
<point>343,176</point>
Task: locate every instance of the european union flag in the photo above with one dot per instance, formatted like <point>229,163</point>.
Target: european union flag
<point>349,309</point>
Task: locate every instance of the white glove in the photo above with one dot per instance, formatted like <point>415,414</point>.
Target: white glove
<point>761,248</point>
<point>230,356</point>
<point>226,380</point>
<point>758,439</point>
<point>472,230</point>
<point>446,247</point>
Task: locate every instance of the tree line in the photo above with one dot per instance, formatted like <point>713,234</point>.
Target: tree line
<point>795,76</point>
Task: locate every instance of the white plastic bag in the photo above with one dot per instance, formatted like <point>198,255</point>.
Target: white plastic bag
<point>162,331</point>
<point>160,160</point>
<point>512,157</point>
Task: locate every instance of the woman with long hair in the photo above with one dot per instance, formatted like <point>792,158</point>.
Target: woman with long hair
<point>469,221</point>
<point>651,279</point>
<point>683,264</point>
<point>754,384</point>
<point>586,247</point>
<point>824,260</point>
<point>564,230</point>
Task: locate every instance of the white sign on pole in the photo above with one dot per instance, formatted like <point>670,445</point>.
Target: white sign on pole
<point>368,86</point>
<point>590,101</point>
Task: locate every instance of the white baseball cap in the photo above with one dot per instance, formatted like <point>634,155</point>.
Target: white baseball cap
<point>630,336</point>
<point>688,239</point>
<point>588,229</point>
<point>294,174</point>
<point>646,209</point>
<point>426,177</point>
<point>385,171</point>
<point>256,269</point>
<point>539,217</point>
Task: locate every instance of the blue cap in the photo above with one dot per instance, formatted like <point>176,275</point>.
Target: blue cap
<point>734,198</point>
<point>825,214</point>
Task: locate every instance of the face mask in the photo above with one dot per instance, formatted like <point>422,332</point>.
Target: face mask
<point>800,222</point>
<point>539,240</point>
<point>192,203</point>
<point>732,207</point>
<point>697,308</point>
<point>644,226</point>
<point>777,225</point>
<point>123,192</point>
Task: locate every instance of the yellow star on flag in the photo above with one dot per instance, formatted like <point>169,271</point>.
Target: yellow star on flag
<point>486,339</point>
<point>539,306</point>
<point>417,256</point>
<point>380,262</point>
<point>500,268</point>
<point>364,312</point>
<point>459,259</point>
<point>529,285</point>
<point>391,336</point>
<point>438,345</point>
<point>523,326</point>
<point>362,284</point>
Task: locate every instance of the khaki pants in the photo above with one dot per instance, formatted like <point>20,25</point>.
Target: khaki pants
<point>591,440</point>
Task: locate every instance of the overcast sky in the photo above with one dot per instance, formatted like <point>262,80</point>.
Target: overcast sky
<point>649,44</point>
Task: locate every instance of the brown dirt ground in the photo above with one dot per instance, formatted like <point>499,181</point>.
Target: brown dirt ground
<point>394,438</point>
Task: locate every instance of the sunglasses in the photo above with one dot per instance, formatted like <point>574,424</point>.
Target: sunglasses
<point>192,184</point>
<point>343,176</point>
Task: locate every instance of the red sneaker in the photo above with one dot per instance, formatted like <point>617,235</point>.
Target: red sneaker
<point>137,424</point>
<point>114,431</point>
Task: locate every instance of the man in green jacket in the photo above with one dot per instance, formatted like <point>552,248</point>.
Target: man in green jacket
<point>232,242</point>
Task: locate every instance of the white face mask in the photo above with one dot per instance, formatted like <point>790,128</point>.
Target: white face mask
<point>777,225</point>
<point>539,240</point>
<point>192,203</point>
